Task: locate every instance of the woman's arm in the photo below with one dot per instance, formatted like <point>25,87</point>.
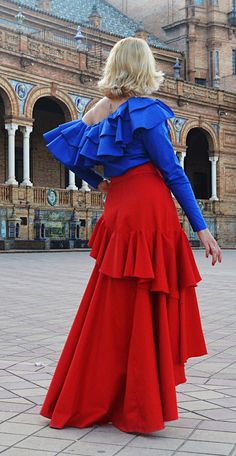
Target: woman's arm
<point>90,176</point>
<point>161,152</point>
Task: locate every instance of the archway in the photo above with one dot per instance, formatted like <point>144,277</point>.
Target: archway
<point>3,137</point>
<point>46,171</point>
<point>196,164</point>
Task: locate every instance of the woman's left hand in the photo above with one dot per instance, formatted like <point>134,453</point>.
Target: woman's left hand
<point>211,245</point>
<point>104,186</point>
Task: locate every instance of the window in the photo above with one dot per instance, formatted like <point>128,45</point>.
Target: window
<point>217,61</point>
<point>200,81</point>
<point>211,68</point>
<point>234,61</point>
<point>23,221</point>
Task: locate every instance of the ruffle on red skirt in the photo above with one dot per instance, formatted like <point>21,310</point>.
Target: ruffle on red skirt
<point>165,259</point>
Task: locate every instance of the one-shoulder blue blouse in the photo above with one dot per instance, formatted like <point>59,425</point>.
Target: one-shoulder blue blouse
<point>134,134</point>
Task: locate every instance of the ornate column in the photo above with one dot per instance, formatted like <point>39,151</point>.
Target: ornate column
<point>85,187</point>
<point>26,156</point>
<point>182,156</point>
<point>213,161</point>
<point>11,128</point>
<point>71,185</point>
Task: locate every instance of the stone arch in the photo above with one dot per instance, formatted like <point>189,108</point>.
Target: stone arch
<point>9,97</point>
<point>58,96</point>
<point>207,129</point>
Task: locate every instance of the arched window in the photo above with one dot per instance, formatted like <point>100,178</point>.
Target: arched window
<point>197,165</point>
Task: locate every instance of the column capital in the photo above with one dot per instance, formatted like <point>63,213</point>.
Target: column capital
<point>26,130</point>
<point>11,128</point>
<point>214,158</point>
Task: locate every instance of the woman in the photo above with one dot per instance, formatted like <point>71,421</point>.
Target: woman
<point>138,321</point>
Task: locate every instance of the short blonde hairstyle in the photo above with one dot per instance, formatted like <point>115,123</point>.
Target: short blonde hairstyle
<point>130,70</point>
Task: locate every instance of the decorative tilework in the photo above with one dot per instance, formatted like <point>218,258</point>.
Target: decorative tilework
<point>80,103</point>
<point>22,90</point>
<point>178,123</point>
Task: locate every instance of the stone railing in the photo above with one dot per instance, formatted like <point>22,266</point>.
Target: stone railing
<point>205,95</point>
<point>45,45</point>
<point>4,193</point>
<point>96,199</point>
<point>41,196</point>
<point>38,196</point>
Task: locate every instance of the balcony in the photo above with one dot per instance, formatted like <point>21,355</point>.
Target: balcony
<point>232,18</point>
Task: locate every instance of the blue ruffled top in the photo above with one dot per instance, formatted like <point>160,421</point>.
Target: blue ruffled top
<point>134,134</point>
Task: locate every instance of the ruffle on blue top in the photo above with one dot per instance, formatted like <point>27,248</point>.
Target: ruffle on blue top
<point>78,145</point>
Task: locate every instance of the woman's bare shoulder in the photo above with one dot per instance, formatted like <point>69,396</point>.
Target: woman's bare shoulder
<point>98,112</point>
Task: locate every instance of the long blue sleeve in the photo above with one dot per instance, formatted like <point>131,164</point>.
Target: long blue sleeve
<point>159,147</point>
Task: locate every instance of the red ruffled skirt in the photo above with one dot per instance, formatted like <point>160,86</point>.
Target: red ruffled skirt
<point>138,321</point>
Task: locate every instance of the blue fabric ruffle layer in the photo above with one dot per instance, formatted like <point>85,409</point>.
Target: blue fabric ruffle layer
<point>76,144</point>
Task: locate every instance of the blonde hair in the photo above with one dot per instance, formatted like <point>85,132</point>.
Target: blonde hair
<point>130,70</point>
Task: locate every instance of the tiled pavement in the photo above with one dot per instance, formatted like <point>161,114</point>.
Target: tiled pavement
<point>39,295</point>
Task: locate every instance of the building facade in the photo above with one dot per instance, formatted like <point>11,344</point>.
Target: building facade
<point>205,30</point>
<point>48,78</point>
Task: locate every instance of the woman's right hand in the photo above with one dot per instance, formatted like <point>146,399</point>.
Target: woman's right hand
<point>211,245</point>
<point>104,186</point>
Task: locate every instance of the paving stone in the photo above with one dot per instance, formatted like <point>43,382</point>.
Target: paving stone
<point>208,395</point>
<point>6,415</point>
<point>217,425</point>
<point>207,447</point>
<point>151,441</point>
<point>184,422</point>
<point>214,436</point>
<point>225,401</point>
<point>43,443</point>
<point>183,453</point>
<point>92,449</point>
<point>176,432</point>
<point>128,451</point>
<point>13,407</point>
<point>28,418</point>
<point>66,433</point>
<point>198,405</point>
<point>19,428</point>
<point>220,414</point>
<point>10,439</point>
<point>112,437</point>
<point>24,452</point>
